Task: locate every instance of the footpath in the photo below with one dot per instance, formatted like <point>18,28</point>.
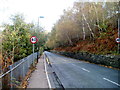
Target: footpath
<point>38,77</point>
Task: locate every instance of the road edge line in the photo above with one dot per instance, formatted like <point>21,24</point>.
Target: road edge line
<point>49,84</point>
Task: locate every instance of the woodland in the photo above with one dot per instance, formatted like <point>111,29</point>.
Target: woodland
<point>85,27</point>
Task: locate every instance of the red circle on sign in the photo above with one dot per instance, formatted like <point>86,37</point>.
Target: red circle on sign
<point>33,39</point>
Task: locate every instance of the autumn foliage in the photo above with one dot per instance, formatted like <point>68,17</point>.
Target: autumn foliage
<point>88,27</point>
<point>101,45</point>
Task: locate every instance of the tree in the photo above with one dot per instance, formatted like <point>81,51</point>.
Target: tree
<point>16,43</point>
<point>16,39</point>
<point>83,21</point>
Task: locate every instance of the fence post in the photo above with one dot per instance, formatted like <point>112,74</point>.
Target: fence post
<point>0,83</point>
<point>27,62</point>
<point>1,72</point>
<point>11,76</point>
<point>23,67</point>
<point>37,56</point>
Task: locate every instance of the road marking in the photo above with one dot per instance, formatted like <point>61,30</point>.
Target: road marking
<point>75,65</point>
<point>111,81</point>
<point>49,84</point>
<point>65,60</point>
<point>82,68</point>
<point>85,70</point>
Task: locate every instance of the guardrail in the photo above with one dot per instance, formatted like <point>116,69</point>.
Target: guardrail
<point>15,73</point>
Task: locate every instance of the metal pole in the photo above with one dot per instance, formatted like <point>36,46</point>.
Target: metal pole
<point>33,56</point>
<point>23,69</point>
<point>119,26</point>
<point>11,76</point>
<point>38,28</point>
<point>38,22</point>
<point>38,45</point>
<point>37,54</point>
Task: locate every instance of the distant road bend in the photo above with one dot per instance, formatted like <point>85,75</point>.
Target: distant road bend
<point>78,74</point>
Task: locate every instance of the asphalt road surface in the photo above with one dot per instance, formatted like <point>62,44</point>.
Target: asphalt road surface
<point>78,74</point>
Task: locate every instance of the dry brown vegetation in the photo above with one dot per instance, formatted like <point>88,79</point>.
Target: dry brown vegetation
<point>101,45</point>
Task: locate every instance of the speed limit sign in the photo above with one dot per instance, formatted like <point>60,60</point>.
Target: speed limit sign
<point>33,39</point>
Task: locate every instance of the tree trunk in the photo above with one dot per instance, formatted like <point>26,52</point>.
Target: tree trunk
<point>89,26</point>
<point>83,30</point>
<point>69,40</point>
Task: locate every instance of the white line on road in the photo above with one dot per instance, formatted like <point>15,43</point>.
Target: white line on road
<point>82,68</point>
<point>75,65</point>
<point>85,70</point>
<point>49,84</point>
<point>111,81</point>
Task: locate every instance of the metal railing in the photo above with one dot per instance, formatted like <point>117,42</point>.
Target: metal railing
<point>15,73</point>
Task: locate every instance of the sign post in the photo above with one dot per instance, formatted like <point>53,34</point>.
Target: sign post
<point>33,55</point>
<point>118,41</point>
<point>33,40</point>
<point>119,26</point>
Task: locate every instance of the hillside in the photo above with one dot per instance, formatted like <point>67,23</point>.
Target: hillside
<point>86,27</point>
<point>104,43</point>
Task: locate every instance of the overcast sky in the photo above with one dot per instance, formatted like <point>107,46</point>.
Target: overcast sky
<point>32,9</point>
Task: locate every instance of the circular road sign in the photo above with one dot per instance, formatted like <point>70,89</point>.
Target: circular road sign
<point>33,39</point>
<point>118,40</point>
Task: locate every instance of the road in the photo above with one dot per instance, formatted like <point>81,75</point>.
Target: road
<point>79,74</point>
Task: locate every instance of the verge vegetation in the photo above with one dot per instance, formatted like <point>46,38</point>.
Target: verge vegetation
<point>15,40</point>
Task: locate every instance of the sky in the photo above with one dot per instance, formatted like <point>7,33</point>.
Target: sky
<point>32,9</point>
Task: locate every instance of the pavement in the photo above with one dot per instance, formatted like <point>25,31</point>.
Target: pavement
<point>38,78</point>
<point>74,73</point>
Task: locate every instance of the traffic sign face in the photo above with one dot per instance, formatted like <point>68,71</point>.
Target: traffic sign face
<point>41,16</point>
<point>33,39</point>
<point>118,40</point>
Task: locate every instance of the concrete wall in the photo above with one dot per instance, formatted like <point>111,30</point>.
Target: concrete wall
<point>108,60</point>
